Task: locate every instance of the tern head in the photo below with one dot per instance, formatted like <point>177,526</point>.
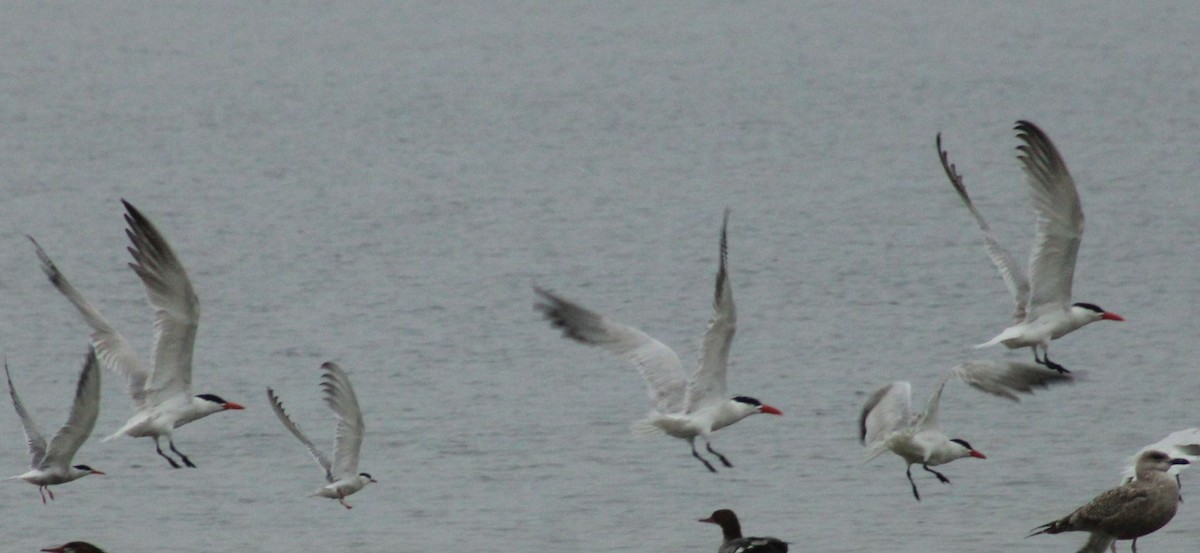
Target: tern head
<point>86,470</point>
<point>967,450</point>
<point>1091,312</point>
<point>74,547</point>
<point>218,402</point>
<point>753,406</point>
<point>364,477</point>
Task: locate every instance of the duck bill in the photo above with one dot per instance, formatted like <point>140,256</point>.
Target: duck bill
<point>1110,316</point>
<point>977,454</point>
<point>708,520</point>
<point>770,411</point>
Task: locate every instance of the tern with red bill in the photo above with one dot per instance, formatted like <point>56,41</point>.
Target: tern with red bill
<point>50,464</point>
<point>341,472</point>
<point>888,423</point>
<point>162,397</point>
<point>683,408</point>
<point>1044,311</point>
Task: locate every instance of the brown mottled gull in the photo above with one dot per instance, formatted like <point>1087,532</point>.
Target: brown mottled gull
<point>1127,512</point>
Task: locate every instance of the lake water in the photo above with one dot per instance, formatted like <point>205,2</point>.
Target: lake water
<point>381,184</point>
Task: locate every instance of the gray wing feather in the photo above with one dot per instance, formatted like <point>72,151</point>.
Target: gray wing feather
<point>339,396</point>
<point>1059,220</point>
<point>112,350</point>
<point>322,460</point>
<point>85,409</point>
<point>33,436</point>
<point>177,310</point>
<point>888,410</point>
<point>708,382</point>
<point>658,364</point>
<point>1014,277</point>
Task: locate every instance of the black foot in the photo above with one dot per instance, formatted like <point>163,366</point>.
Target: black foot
<point>703,460</point>
<point>182,457</point>
<point>941,477</point>
<point>1045,361</point>
<point>724,461</point>
<point>168,458</point>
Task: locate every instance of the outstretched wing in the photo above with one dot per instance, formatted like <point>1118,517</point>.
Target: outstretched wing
<point>111,348</point>
<point>322,460</point>
<point>1059,221</point>
<point>177,308</point>
<point>708,383</point>
<point>85,409</point>
<point>1014,277</point>
<point>339,396</point>
<point>888,410</point>
<point>658,364</point>
<point>33,436</point>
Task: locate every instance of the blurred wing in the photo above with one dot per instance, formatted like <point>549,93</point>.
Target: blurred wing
<point>111,348</point>
<point>1007,378</point>
<point>33,437</point>
<point>1014,277</point>
<point>708,383</point>
<point>1059,221</point>
<point>888,410</point>
<point>1179,444</point>
<point>84,412</point>
<point>340,397</point>
<point>658,364</point>
<point>322,460</point>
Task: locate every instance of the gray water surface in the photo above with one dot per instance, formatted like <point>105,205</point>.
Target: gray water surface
<point>381,184</point>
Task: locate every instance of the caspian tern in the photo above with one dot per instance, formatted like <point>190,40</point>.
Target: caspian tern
<point>342,473</point>
<point>1044,311</point>
<point>733,541</point>
<point>1126,512</point>
<point>162,399</point>
<point>888,423</point>
<point>683,408</point>
<point>51,464</point>
<point>74,547</point>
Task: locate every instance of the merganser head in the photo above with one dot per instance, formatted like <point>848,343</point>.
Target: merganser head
<point>74,547</point>
<point>757,406</point>
<point>968,451</point>
<point>1097,313</point>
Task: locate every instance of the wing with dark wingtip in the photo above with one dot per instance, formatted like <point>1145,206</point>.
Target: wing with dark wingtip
<point>322,460</point>
<point>84,412</point>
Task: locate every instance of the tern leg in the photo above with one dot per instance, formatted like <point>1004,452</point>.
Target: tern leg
<point>42,495</point>
<point>1045,360</point>
<point>182,457</point>
<point>940,476</point>
<point>164,455</point>
<point>702,459</point>
<point>1134,545</point>
<point>342,500</point>
<point>908,471</point>
<point>724,461</point>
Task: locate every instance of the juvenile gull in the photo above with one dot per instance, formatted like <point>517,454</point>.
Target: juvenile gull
<point>1044,311</point>
<point>1129,511</point>
<point>683,408</point>
<point>888,423</point>
<point>733,540</point>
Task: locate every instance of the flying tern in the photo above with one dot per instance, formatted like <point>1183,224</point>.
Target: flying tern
<point>888,423</point>
<point>51,464</point>
<point>342,472</point>
<point>683,408</point>
<point>1044,311</point>
<point>162,397</point>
